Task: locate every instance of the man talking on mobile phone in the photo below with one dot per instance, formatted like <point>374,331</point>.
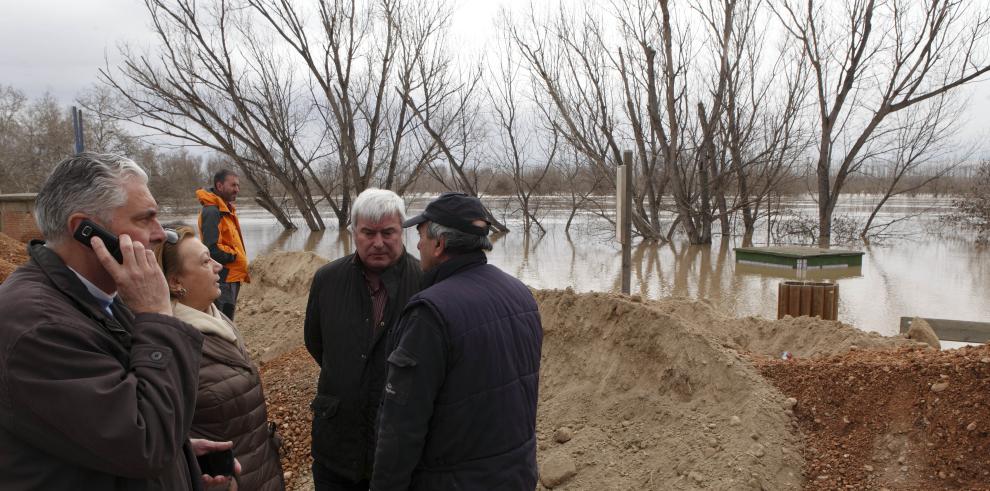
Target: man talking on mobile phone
<point>97,379</point>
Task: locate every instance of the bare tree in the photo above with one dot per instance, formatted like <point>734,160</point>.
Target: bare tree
<point>34,136</point>
<point>579,181</point>
<point>103,133</point>
<point>173,174</point>
<point>12,103</point>
<point>363,60</point>
<point>923,134</point>
<point>202,89</point>
<point>519,149</point>
<point>449,111</point>
<point>872,59</point>
<point>972,210</point>
<point>230,79</point>
<point>764,131</point>
<point>667,89</point>
<point>568,59</point>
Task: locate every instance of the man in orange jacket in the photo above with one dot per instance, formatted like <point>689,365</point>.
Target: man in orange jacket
<point>221,232</point>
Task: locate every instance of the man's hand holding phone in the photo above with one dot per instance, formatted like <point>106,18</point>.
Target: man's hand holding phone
<point>140,283</point>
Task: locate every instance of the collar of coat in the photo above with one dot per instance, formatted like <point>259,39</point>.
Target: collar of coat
<point>209,197</point>
<point>212,322</point>
<point>66,281</point>
<point>452,266</point>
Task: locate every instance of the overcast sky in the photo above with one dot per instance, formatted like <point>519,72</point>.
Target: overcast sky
<point>57,46</point>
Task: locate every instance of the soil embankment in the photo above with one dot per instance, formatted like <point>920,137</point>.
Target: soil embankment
<point>909,419</point>
<point>655,394</point>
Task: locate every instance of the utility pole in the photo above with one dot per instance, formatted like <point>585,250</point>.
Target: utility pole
<point>77,129</point>
<point>623,222</point>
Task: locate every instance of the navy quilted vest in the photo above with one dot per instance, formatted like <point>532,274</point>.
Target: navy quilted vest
<point>483,431</point>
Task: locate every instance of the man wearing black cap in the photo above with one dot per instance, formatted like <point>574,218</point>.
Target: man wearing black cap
<point>459,410</point>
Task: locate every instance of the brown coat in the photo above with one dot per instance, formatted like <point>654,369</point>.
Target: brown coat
<point>230,405</point>
<point>90,401</point>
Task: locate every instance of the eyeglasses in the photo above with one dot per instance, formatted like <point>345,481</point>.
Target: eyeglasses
<point>171,236</point>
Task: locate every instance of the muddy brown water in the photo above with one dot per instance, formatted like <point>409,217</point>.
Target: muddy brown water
<point>926,270</point>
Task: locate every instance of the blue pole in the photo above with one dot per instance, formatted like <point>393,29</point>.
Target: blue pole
<point>77,129</point>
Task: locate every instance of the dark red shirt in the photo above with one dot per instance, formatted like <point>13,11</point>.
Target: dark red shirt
<point>379,298</point>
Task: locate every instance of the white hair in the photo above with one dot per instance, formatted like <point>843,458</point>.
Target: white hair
<point>374,204</point>
<point>90,183</point>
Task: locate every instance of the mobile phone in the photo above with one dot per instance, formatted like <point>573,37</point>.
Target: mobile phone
<point>87,229</point>
<point>217,463</point>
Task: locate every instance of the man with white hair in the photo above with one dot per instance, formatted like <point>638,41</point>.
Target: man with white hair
<point>97,379</point>
<point>353,304</point>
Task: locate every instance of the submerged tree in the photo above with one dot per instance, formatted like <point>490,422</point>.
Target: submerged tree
<point>686,88</point>
<point>973,209</point>
<point>921,135</point>
<point>870,59</point>
<point>308,104</point>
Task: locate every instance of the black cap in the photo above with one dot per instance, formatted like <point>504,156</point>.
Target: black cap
<point>454,210</point>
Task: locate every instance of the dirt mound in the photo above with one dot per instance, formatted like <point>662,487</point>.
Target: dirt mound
<point>13,253</point>
<point>652,405</point>
<point>288,272</point>
<point>271,309</point>
<point>906,419</point>
<point>800,336</point>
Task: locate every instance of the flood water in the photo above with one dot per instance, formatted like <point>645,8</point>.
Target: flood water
<point>928,270</point>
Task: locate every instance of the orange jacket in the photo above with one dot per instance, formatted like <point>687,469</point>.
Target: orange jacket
<point>223,236</point>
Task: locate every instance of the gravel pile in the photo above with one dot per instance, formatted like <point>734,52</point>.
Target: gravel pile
<point>13,253</point>
<point>904,419</point>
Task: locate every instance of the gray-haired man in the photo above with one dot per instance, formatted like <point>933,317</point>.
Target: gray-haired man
<point>353,303</point>
<point>97,379</point>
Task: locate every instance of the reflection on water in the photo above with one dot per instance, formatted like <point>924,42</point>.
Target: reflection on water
<point>926,275</point>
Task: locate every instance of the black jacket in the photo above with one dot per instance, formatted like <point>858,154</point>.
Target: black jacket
<point>460,400</point>
<point>351,354</point>
<point>88,400</point>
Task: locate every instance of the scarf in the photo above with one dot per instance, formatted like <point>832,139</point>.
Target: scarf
<point>209,322</point>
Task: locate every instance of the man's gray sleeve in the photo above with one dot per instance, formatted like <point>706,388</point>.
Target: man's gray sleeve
<point>211,235</point>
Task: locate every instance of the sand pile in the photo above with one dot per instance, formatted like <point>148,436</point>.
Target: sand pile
<point>13,253</point>
<point>271,309</point>
<point>645,403</point>
<point>907,419</point>
<point>800,336</point>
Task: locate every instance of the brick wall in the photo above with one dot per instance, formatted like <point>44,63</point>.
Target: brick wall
<point>17,216</point>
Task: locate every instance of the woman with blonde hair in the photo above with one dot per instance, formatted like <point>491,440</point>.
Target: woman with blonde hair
<point>230,403</point>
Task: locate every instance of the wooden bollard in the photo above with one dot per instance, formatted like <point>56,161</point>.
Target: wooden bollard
<point>806,299</point>
<point>797,298</point>
<point>818,300</point>
<point>794,298</point>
